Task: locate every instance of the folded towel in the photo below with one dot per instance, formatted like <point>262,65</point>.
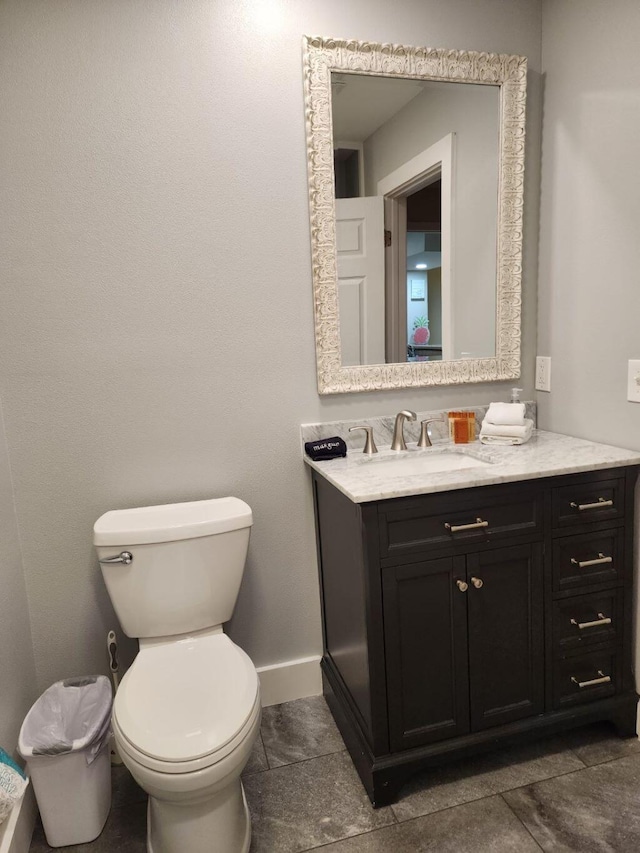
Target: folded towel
<point>500,434</point>
<point>509,414</point>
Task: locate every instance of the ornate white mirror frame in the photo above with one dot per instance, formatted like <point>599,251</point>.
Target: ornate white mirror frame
<point>321,57</point>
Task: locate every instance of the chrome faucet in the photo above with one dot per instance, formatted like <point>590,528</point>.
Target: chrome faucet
<point>398,442</point>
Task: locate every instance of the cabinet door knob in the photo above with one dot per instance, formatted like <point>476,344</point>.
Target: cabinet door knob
<point>462,586</point>
<point>477,582</point>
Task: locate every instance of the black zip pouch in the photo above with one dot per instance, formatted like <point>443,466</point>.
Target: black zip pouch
<point>326,448</point>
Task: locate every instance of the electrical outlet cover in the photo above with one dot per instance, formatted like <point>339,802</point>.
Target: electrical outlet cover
<point>543,373</point>
<point>633,381</point>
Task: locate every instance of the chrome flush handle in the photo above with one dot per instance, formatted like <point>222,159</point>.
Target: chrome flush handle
<point>124,557</point>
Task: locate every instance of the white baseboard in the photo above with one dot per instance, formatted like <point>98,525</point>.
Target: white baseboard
<point>294,679</point>
<point>16,832</point>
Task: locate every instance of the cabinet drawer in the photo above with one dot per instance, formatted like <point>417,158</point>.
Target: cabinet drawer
<point>458,518</point>
<point>591,558</point>
<point>583,678</point>
<point>583,620</point>
<point>597,500</point>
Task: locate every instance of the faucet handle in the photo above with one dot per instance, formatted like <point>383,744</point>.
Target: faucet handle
<point>369,445</point>
<point>425,441</point>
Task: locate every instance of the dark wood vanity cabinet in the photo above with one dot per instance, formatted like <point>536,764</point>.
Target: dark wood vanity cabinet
<point>458,621</point>
<point>452,628</point>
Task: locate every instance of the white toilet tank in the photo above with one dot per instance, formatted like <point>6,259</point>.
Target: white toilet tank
<point>187,561</point>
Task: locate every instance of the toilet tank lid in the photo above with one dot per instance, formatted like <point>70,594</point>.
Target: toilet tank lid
<point>170,522</point>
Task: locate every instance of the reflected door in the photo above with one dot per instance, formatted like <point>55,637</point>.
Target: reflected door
<point>360,249</point>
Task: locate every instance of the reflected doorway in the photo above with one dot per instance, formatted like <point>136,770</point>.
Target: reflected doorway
<point>393,254</point>
<point>424,273</point>
<point>418,275</point>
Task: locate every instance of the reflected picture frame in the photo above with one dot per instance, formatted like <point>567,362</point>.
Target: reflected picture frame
<point>418,290</point>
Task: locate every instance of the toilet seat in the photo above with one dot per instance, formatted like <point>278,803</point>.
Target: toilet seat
<point>186,704</point>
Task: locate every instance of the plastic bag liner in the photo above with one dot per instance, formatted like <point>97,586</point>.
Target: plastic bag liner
<point>70,716</point>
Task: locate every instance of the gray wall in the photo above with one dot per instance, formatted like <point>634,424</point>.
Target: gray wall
<point>156,322</point>
<point>473,114</point>
<point>17,670</point>
<point>589,308</point>
<point>589,296</point>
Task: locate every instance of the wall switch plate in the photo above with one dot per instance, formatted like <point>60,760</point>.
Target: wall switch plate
<point>543,373</point>
<point>633,380</point>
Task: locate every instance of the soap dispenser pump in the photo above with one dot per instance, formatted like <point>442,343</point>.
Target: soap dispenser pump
<point>515,395</point>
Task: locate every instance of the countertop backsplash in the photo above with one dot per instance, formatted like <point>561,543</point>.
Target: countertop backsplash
<point>383,426</point>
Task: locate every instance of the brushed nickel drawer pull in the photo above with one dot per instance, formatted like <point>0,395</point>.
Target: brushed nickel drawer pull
<point>599,561</point>
<point>601,620</point>
<point>604,679</point>
<point>477,582</point>
<point>598,505</point>
<point>463,586</point>
<point>455,527</point>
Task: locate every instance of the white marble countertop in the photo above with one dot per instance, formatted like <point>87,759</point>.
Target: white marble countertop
<point>362,478</point>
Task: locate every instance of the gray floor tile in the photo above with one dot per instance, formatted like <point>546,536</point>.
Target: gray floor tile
<point>600,742</point>
<point>594,811</point>
<point>484,775</point>
<point>38,842</point>
<point>299,730</point>
<point>310,803</point>
<point>125,831</point>
<point>124,788</point>
<point>257,760</point>
<point>487,826</point>
<point>313,798</point>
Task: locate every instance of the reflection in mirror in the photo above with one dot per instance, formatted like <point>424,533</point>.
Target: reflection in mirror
<point>408,154</point>
<point>416,175</point>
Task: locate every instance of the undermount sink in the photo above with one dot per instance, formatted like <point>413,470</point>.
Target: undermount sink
<point>426,463</point>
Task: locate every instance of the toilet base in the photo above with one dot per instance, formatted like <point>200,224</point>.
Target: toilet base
<point>222,824</point>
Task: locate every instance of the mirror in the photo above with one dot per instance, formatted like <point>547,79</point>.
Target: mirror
<point>416,166</point>
<point>405,153</point>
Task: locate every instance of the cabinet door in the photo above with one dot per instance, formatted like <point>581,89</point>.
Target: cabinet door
<point>506,652</point>
<point>425,617</point>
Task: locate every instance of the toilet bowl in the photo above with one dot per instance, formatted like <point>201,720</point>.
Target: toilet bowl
<point>187,712</point>
<point>185,719</point>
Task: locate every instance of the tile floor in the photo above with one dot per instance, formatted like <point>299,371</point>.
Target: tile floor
<point>579,792</point>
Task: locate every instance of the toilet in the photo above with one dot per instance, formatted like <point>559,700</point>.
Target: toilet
<point>187,712</point>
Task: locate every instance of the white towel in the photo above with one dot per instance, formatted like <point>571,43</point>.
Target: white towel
<point>500,434</point>
<point>507,414</point>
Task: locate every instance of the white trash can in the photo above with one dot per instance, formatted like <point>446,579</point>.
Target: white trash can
<point>65,741</point>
